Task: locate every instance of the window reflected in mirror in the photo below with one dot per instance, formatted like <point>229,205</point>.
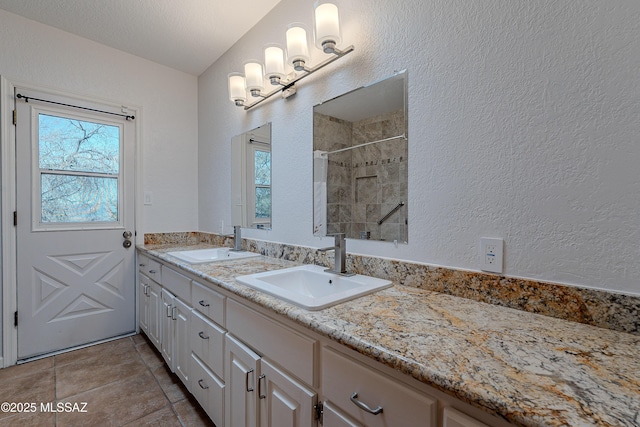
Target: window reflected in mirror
<point>360,163</point>
<point>251,178</point>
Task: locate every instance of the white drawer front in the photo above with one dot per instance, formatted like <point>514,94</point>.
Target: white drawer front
<point>332,417</point>
<point>150,268</point>
<point>292,350</point>
<point>342,377</point>
<point>175,282</point>
<point>207,342</point>
<point>208,302</point>
<point>208,390</point>
<point>454,418</point>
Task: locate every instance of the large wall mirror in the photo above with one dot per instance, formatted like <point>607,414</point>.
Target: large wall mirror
<point>360,172</point>
<point>251,178</point>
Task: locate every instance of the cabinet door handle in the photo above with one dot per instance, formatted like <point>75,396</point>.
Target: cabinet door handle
<point>203,303</point>
<point>260,395</point>
<point>169,310</point>
<point>146,290</point>
<point>204,387</point>
<point>364,406</point>
<point>246,380</point>
<point>201,335</point>
<point>173,312</point>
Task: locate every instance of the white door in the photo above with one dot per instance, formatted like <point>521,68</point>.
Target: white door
<point>74,186</point>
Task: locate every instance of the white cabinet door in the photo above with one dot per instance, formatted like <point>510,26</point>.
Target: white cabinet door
<point>143,303</point>
<point>284,402</point>
<point>242,370</point>
<point>166,342</point>
<point>181,316</point>
<point>155,310</point>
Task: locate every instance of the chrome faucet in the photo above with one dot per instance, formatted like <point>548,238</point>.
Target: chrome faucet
<point>340,255</point>
<point>237,238</point>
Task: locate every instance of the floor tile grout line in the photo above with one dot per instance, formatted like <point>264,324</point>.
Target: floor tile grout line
<point>173,409</point>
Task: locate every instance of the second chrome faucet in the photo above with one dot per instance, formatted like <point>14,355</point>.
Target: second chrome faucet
<point>340,255</point>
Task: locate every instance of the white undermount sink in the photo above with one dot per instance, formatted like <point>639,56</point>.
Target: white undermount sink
<point>200,256</point>
<point>311,287</point>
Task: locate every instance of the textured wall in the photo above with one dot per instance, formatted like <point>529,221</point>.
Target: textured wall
<point>35,54</point>
<point>523,124</point>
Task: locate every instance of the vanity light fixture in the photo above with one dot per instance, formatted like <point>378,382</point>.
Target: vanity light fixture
<point>327,37</point>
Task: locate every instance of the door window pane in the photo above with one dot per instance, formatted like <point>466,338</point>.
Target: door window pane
<point>73,198</point>
<point>77,145</point>
<point>263,202</point>
<point>263,167</point>
<point>79,165</point>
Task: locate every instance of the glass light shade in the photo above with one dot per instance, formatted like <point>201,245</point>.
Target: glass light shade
<point>274,62</point>
<point>297,48</point>
<point>254,79</point>
<point>327,24</point>
<point>237,91</point>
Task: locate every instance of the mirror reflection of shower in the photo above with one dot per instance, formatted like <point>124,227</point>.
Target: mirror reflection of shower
<point>360,163</point>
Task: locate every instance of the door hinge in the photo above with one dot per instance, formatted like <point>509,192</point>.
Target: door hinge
<point>15,319</point>
<point>318,408</point>
<point>15,117</point>
<point>15,218</point>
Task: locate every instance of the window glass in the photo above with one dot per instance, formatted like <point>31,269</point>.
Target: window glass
<point>79,164</point>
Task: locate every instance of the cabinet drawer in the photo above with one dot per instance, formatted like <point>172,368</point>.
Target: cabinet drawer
<point>342,377</point>
<point>208,302</point>
<point>332,417</point>
<point>292,350</point>
<point>207,342</point>
<point>455,418</point>
<point>150,268</point>
<point>176,283</point>
<point>208,390</point>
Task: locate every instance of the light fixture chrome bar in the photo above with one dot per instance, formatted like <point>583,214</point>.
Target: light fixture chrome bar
<point>365,144</point>
<point>391,212</point>
<point>286,85</point>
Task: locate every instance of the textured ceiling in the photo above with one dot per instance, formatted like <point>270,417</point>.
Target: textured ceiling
<point>187,35</point>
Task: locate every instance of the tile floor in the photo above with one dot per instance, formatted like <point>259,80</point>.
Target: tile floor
<point>123,382</point>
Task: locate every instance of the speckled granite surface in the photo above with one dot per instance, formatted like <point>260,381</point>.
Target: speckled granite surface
<point>531,370</point>
<point>609,310</point>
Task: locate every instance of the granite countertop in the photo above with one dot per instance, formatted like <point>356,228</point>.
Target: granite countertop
<point>529,369</point>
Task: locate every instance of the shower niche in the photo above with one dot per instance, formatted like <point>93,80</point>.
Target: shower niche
<point>360,150</point>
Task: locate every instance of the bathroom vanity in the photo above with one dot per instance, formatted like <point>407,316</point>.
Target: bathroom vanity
<point>400,357</point>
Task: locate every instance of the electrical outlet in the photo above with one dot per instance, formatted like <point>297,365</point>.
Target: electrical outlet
<point>491,254</point>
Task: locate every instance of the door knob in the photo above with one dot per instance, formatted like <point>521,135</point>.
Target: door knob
<point>126,243</point>
<point>127,234</point>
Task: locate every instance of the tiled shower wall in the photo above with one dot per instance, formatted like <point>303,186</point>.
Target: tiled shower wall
<point>366,183</point>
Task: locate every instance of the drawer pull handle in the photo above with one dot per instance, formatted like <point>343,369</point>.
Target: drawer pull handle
<point>141,265</point>
<point>204,387</point>
<point>203,303</point>
<point>202,335</point>
<point>246,381</point>
<point>152,272</point>
<point>260,395</point>
<point>364,406</point>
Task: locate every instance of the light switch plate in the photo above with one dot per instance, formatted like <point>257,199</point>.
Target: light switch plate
<point>491,254</point>
<point>148,198</point>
